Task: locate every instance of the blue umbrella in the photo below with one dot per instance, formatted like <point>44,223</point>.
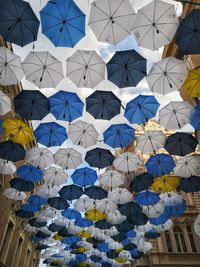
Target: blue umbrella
<point>160,220</point>
<point>195,122</point>
<point>96,192</point>
<point>126,68</point>
<point>71,192</point>
<point>141,109</point>
<point>119,237</point>
<point>35,200</point>
<point>129,246</point>
<point>81,257</point>
<point>66,106</point>
<point>63,22</point>
<point>103,247</point>
<point>131,234</point>
<point>24,214</point>
<point>124,227</point>
<point>71,240</point>
<point>99,158</point>
<point>1,129</point>
<point>30,208</point>
<point>112,254</point>
<point>119,135</point>
<point>152,234</point>
<point>29,173</point>
<point>83,222</point>
<point>103,224</point>
<point>141,219</point>
<point>42,235</point>
<point>95,258</point>
<point>19,23</point>
<point>141,182</point>
<point>147,198</point>
<point>58,203</point>
<point>190,185</point>
<point>160,164</point>
<point>84,177</point>
<point>177,210</point>
<point>11,151</point>
<point>34,223</point>
<point>71,214</point>
<point>55,227</point>
<point>50,134</point>
<point>21,185</point>
<point>41,247</point>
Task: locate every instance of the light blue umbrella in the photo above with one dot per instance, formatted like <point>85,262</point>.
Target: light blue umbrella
<point>84,177</point>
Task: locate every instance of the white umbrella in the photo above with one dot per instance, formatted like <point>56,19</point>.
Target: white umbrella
<point>73,229</point>
<point>112,179</point>
<point>68,158</point>
<point>111,20</point>
<point>39,157</point>
<point>154,211</point>
<point>47,191</point>
<point>14,194</point>
<point>7,167</point>
<point>54,176</point>
<point>175,115</point>
<point>171,198</point>
<point>115,217</point>
<point>197,225</point>
<point>127,162</point>
<point>120,195</point>
<point>29,228</point>
<point>62,221</point>
<point>105,205</point>
<point>151,141</point>
<point>83,134</point>
<point>43,69</point>
<point>143,246</point>
<point>187,166</point>
<point>115,245</point>
<point>50,213</point>
<point>155,25</point>
<point>11,71</point>
<point>164,227</point>
<point>125,255</point>
<point>5,104</point>
<point>84,204</point>
<point>85,68</point>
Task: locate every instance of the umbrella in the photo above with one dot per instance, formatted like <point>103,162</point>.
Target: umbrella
<point>155,25</point>
<point>181,144</point>
<point>151,141</point>
<point>21,185</point>
<point>116,217</point>
<point>85,68</point>
<point>197,225</point>
<point>11,71</point>
<point>160,164</point>
<point>14,194</point>
<point>47,191</point>
<point>7,167</point>
<point>5,104</point>
<point>54,176</point>
<point>103,105</point>
<point>50,134</point>
<point>195,118</point>
<point>66,106</point>
<point>141,109</point>
<point>68,158</point>
<point>126,68</point>
<point>31,105</point>
<point>34,223</point>
<point>84,204</point>
<point>71,214</point>
<point>24,214</point>
<point>58,203</point>
<point>165,184</point>
<point>61,221</point>
<point>141,182</point>
<point>63,23</point>
<point>99,158</point>
<point>43,69</point>
<point>152,234</point>
<point>131,210</point>
<point>187,37</point>
<point>71,192</point>
<point>127,162</point>
<point>105,205</point>
<point>190,184</point>
<point>35,200</point>
<point>167,76</point>
<point>54,227</point>
<point>120,195</point>
<point>11,151</point>
<point>19,23</point>
<point>83,223</point>
<point>39,157</point>
<point>171,198</point>
<point>83,134</point>
<point>187,166</point>
<point>111,21</point>
<point>95,192</point>
<point>30,208</point>
<point>17,131</point>
<point>124,227</point>
<point>147,198</point>
<point>84,177</point>
<point>154,211</point>
<point>112,178</point>
<point>191,84</point>
<point>95,215</point>
<point>176,211</point>
<point>119,135</point>
<point>162,219</point>
<point>103,224</point>
<point>29,173</point>
<point>164,226</point>
<point>175,115</point>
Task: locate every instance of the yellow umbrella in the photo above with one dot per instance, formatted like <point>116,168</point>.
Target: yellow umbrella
<point>120,260</point>
<point>81,249</point>
<point>119,250</point>
<point>165,184</point>
<point>192,83</point>
<point>95,215</point>
<point>17,131</point>
<point>83,264</point>
<point>57,237</point>
<point>83,234</point>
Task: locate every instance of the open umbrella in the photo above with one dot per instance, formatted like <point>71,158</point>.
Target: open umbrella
<point>191,84</point>
<point>47,191</point>
<point>39,157</point>
<point>14,194</point>
<point>176,211</point>
<point>84,204</point>
<point>95,192</point>
<point>112,178</point>
<point>197,225</point>
<point>5,104</point>
<point>187,166</point>
<point>7,167</point>
<point>71,192</point>
<point>115,217</point>
<point>147,198</point>
<point>105,205</point>
<point>120,195</point>
<point>155,24</point>
<point>103,224</point>
<point>71,214</point>
<point>58,203</point>
<point>99,158</point>
<point>68,158</point>
<point>165,184</point>
<point>35,200</point>
<point>131,210</point>
<point>154,211</point>
<point>95,214</point>
<point>171,198</point>
<point>11,151</point>
<point>54,176</point>
<point>84,177</point>
<point>190,184</point>
<point>24,214</point>
<point>83,223</point>
<point>141,182</point>
<point>126,68</point>
<point>195,122</point>
<point>21,185</point>
<point>127,162</point>
<point>29,173</point>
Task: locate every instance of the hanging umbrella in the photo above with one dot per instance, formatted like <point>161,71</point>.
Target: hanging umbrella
<point>95,215</point>
<point>71,192</point>
<point>34,223</point>
<point>54,176</point>
<point>31,105</point>
<point>83,134</point>
<point>195,122</point>
<point>43,69</point>
<point>71,214</point>
<point>63,23</point>
<point>35,200</point>
<point>39,157</point>
<point>54,227</point>
<point>84,204</point>
<point>83,223</point>
<point>95,192</point>
<point>47,191</point>
<point>120,195</point>
<point>111,21</point>
<point>119,135</point>
<point>58,203</point>
<point>105,205</point>
<point>50,134</point>
<point>160,164</point>
<point>68,158</point>
<point>154,211</point>
<point>103,224</point>
<point>61,221</point>
<point>151,141</point>
<point>21,185</point>
<point>116,217</point>
<point>162,219</point>
<point>11,151</point>
<point>165,184</point>
<point>152,234</point>
<point>197,225</point>
<point>141,109</point>
<point>24,214</point>
<point>19,23</point>
<point>127,162</point>
<point>147,198</point>
<point>190,184</point>
<point>17,131</point>
<point>29,173</point>
<point>131,210</point>
<point>181,144</point>
<point>7,167</point>
<point>84,177</point>
<point>164,226</point>
<point>176,211</point>
<point>124,227</point>
<point>191,84</point>
<point>85,68</point>
<point>155,25</point>
<point>14,194</point>
<point>5,104</point>
<point>141,182</point>
<point>126,68</point>
<point>167,76</point>
<point>187,166</point>
<point>112,178</point>
<point>175,115</point>
<point>99,158</point>
<point>30,208</point>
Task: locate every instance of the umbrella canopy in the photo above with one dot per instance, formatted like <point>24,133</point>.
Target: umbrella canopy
<point>29,173</point>
<point>68,158</point>
<point>103,225</point>
<point>63,23</point>
<point>190,184</point>
<point>85,68</point>
<point>99,158</point>
<point>31,105</point>
<point>127,162</point>
<point>154,211</point>
<point>21,185</point>
<point>187,166</point>
<point>35,200</point>
<point>141,109</point>
<point>112,179</point>
<point>111,21</point>
<point>43,69</point>
<point>83,134</point>
<point>181,144</point>
<point>47,191</point>
<point>147,198</point>
<point>187,37</point>
<point>126,68</point>
<point>19,23</point>
<point>105,205</point>
<point>103,105</point>
<point>7,167</point>
<point>141,182</point>
<point>155,25</point>
<point>165,184</point>
<point>39,157</point>
<point>54,176</point>
<point>58,203</point>
<point>120,195</point>
<point>132,210</point>
<point>95,192</point>
<point>171,198</point>
<point>24,214</point>
<point>11,151</point>
<point>95,215</point>
<point>197,225</point>
<point>176,211</point>
<point>71,214</point>
<point>50,134</point>
<point>71,192</point>
<point>116,217</point>
<point>167,76</point>
<point>5,104</point>
<point>14,194</point>
<point>84,177</point>
<point>191,84</point>
<point>195,118</point>
<point>162,219</point>
<point>84,204</point>
<point>83,223</point>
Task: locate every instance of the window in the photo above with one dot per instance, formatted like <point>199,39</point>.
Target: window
<point>18,252</point>
<point>191,238</point>
<point>168,241</point>
<point>179,238</point>
<point>6,241</point>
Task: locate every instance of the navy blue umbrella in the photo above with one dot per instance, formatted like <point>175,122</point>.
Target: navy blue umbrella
<point>42,235</point>
<point>58,203</point>
<point>112,254</point>
<point>103,225</point>
<point>84,177</point>
<point>71,192</point>
<point>99,158</point>
<point>126,68</point>
<point>30,208</point>
<point>196,118</point>
<point>130,246</point>
<point>29,173</point>
<point>96,192</point>
<point>103,105</point>
<point>31,105</point>
<point>24,214</point>
<point>95,258</point>
<point>55,227</point>
<point>119,237</point>
<point>11,151</point>
<point>189,185</point>
<point>41,247</point>
<point>34,223</point>
<point>152,234</point>
<point>64,233</point>
<point>21,185</point>
<point>19,23</point>
<point>133,212</point>
<point>176,210</point>
<point>141,182</point>
<point>124,227</point>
